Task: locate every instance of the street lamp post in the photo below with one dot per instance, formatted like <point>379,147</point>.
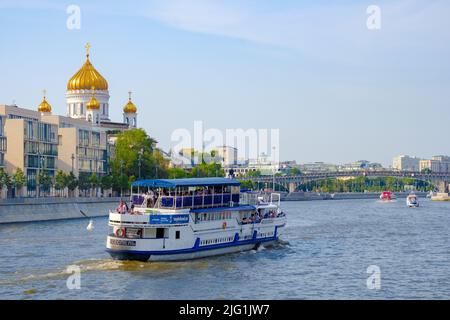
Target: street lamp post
<point>121,187</point>
<point>140,163</point>
<point>274,170</point>
<point>73,158</point>
<point>37,175</point>
<point>40,163</point>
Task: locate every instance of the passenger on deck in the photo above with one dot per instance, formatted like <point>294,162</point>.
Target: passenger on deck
<point>145,199</point>
<point>122,208</point>
<point>151,199</point>
<point>131,211</point>
<point>148,199</point>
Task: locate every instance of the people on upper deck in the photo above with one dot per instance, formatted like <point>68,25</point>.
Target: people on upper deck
<point>122,208</point>
<point>149,199</point>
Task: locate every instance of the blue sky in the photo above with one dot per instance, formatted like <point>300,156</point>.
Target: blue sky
<point>337,91</point>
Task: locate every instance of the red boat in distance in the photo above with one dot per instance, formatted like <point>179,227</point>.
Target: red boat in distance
<point>386,196</point>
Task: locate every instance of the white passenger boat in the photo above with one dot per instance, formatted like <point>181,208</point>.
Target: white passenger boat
<point>412,201</point>
<point>184,219</point>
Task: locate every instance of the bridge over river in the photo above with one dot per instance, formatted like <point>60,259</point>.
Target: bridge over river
<point>291,182</point>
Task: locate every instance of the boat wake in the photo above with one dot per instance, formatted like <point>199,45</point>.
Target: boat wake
<point>107,265</point>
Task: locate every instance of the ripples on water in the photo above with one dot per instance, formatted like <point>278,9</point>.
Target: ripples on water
<point>325,252</point>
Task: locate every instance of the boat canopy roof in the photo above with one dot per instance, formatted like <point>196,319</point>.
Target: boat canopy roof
<point>194,182</point>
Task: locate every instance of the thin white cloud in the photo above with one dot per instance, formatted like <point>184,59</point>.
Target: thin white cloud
<point>336,31</point>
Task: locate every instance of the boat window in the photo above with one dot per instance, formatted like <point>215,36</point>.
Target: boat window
<point>159,233</point>
<point>177,234</point>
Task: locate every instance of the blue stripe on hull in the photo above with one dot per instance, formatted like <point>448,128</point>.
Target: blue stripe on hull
<point>142,254</point>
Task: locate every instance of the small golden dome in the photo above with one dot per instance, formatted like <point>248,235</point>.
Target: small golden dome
<point>87,77</point>
<point>44,106</point>
<point>93,103</point>
<point>130,107</point>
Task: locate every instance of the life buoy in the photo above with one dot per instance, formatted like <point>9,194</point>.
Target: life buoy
<point>120,233</point>
<point>224,225</point>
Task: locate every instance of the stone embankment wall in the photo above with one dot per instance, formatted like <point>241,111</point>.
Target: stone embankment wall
<point>42,209</point>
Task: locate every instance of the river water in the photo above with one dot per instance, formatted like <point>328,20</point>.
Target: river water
<point>326,250</point>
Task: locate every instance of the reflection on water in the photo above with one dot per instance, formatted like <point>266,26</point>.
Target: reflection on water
<point>324,254</point>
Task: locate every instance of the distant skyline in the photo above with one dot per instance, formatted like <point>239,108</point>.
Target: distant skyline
<point>337,91</point>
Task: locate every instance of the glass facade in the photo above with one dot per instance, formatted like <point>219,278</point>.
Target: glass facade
<point>92,156</point>
<point>41,142</point>
<point>40,149</point>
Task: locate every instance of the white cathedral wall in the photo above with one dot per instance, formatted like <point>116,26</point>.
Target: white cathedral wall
<point>76,103</point>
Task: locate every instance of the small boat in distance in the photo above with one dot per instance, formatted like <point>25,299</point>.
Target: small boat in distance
<point>440,197</point>
<point>412,201</point>
<point>387,196</point>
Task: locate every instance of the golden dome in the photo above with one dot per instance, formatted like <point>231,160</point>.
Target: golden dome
<point>130,106</point>
<point>87,77</point>
<point>93,103</point>
<point>44,106</point>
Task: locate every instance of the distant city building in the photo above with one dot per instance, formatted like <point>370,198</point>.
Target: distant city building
<point>361,165</point>
<point>406,163</point>
<point>30,143</point>
<point>229,155</point>
<point>317,167</point>
<point>439,164</point>
<point>264,165</point>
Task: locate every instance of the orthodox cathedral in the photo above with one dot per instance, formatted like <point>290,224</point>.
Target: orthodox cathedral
<point>87,97</point>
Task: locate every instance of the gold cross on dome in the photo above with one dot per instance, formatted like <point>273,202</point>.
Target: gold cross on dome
<point>129,95</point>
<point>44,92</point>
<point>87,46</point>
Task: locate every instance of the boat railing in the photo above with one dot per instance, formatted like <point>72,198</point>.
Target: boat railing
<point>251,198</point>
<point>190,201</point>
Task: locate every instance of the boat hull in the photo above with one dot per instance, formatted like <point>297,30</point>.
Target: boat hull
<point>188,254</point>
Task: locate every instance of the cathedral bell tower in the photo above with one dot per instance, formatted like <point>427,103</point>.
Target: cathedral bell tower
<point>79,94</point>
<point>130,113</point>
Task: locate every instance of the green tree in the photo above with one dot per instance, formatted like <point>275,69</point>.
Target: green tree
<point>134,147</point>
<point>44,181</point>
<point>246,184</point>
<point>208,170</point>
<point>121,183</point>
<point>72,182</point>
<point>177,173</point>
<point>60,181</point>
<point>294,171</point>
<point>106,182</point>
<point>5,180</point>
<point>94,182</point>
<point>84,183</point>
<point>256,173</point>
<point>19,180</point>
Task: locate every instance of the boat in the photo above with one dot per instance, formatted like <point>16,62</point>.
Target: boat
<point>387,196</point>
<point>440,197</point>
<point>182,219</point>
<point>412,201</point>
